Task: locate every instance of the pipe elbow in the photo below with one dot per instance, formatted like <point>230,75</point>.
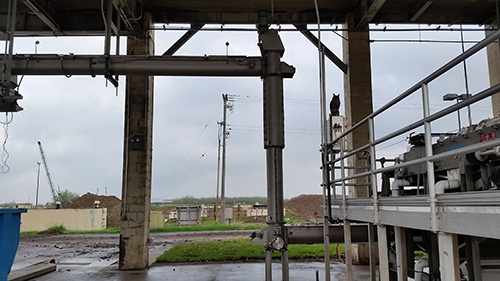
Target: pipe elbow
<point>443,185</point>
<point>396,184</point>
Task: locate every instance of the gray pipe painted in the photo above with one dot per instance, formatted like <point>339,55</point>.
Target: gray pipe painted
<point>141,65</point>
<point>313,234</point>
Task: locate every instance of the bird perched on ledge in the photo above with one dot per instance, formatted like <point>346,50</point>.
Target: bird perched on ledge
<point>335,105</point>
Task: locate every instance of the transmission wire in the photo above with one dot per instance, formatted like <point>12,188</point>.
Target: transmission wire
<point>191,148</point>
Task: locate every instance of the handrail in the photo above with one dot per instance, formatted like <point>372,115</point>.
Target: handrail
<point>482,95</point>
<point>471,51</point>
<point>429,158</point>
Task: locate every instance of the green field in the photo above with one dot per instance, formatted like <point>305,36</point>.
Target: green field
<point>60,229</point>
<point>237,250</point>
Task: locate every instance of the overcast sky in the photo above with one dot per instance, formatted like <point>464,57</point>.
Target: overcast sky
<point>79,120</point>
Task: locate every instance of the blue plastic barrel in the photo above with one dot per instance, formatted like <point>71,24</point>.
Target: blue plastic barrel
<point>10,221</point>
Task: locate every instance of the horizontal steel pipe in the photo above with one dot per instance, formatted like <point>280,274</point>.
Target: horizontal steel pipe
<point>313,234</point>
<point>141,65</point>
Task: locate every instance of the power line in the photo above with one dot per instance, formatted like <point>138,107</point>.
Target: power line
<point>190,149</point>
<point>191,168</point>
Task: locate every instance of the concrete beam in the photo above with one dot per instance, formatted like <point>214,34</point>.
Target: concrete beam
<point>368,14</point>
<point>419,9</point>
<point>184,38</point>
<point>43,16</point>
<point>329,54</point>
<point>127,11</point>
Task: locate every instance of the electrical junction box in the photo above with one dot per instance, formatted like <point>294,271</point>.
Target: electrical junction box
<point>337,128</point>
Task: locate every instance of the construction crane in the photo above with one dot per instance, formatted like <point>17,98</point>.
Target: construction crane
<point>55,194</point>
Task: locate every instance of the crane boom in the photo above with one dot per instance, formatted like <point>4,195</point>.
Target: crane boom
<point>47,172</point>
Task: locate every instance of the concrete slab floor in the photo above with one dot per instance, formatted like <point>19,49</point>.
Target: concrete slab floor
<point>299,271</point>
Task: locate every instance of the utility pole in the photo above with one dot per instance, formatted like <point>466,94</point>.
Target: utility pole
<point>219,132</point>
<point>37,184</point>
<point>223,183</point>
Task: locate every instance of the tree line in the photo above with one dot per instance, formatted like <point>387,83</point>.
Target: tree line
<point>212,200</point>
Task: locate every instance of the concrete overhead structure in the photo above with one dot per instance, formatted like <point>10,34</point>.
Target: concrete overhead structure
<point>493,51</point>
<point>138,19</point>
<point>358,105</point>
<point>137,158</point>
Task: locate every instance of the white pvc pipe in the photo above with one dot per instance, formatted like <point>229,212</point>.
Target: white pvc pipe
<point>443,185</point>
<point>396,184</point>
<point>419,268</point>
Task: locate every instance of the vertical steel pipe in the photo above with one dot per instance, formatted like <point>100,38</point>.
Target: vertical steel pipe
<point>429,164</point>
<point>274,141</point>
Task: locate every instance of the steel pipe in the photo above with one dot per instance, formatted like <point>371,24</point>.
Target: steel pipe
<point>141,65</point>
<point>313,234</point>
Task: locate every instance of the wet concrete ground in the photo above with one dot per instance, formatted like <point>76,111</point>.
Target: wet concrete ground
<point>94,257</point>
<point>206,272</point>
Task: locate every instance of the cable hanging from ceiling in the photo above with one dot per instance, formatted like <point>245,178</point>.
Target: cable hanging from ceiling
<point>4,155</point>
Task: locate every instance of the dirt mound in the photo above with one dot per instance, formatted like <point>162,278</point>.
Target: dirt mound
<point>306,207</point>
<point>112,203</point>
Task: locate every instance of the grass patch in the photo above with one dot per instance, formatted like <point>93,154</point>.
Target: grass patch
<point>60,229</point>
<point>109,230</point>
<point>211,227</point>
<point>236,250</point>
<point>173,228</point>
<point>27,233</point>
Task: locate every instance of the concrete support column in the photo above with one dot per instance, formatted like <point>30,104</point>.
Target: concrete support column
<point>348,250</point>
<point>493,52</point>
<point>137,159</point>
<point>274,142</point>
<point>383,252</point>
<point>358,105</point>
<point>448,257</point>
<point>401,254</point>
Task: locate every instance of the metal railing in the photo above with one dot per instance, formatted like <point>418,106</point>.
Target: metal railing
<point>426,121</point>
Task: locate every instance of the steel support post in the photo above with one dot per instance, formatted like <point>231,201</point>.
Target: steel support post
<point>383,252</point>
<point>325,165</point>
<point>348,249</point>
<point>373,252</point>
<point>473,258</point>
<point>274,141</point>
<point>138,139</point>
<point>429,165</point>
<point>326,232</point>
<point>373,182</point>
<point>401,255</point>
<point>448,257</point>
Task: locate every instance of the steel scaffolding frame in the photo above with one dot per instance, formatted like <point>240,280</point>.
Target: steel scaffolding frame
<point>447,215</point>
